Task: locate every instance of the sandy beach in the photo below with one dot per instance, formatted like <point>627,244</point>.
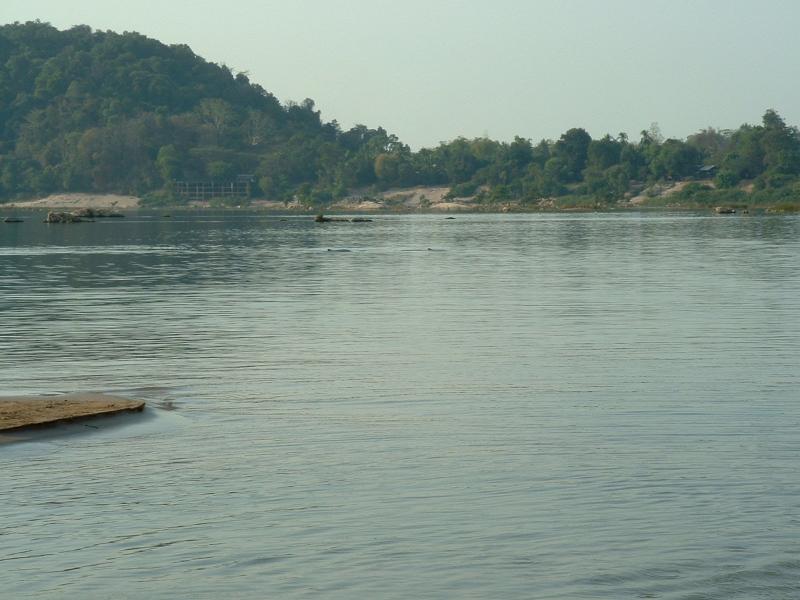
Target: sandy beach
<point>75,201</point>
<point>413,199</point>
<point>406,199</point>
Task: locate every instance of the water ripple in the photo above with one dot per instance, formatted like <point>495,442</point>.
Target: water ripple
<point>550,406</point>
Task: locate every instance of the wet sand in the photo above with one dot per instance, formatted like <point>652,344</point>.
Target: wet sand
<point>20,412</point>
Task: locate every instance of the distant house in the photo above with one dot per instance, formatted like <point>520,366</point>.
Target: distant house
<point>707,172</point>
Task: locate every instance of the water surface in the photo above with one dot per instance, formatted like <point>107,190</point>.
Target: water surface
<point>496,406</point>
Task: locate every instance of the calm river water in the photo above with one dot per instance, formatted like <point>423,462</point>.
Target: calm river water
<point>504,406</point>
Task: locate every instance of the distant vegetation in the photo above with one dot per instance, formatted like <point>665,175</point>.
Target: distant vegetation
<point>93,111</point>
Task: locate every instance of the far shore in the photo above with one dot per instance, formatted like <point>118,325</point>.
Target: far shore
<point>76,201</point>
<point>400,200</point>
<point>394,201</point>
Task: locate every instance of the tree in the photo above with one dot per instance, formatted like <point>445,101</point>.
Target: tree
<point>572,149</point>
<point>168,162</point>
<point>712,143</point>
<point>780,145</point>
<point>675,159</point>
<point>217,114</point>
<point>520,152</point>
<point>220,170</point>
<point>604,153</point>
<point>745,159</point>
<point>458,161</point>
<point>387,167</point>
<point>257,128</point>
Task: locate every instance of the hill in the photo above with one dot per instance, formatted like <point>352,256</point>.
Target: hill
<point>93,111</point>
<point>84,111</point>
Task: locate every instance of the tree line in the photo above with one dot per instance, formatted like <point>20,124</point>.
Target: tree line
<point>98,111</point>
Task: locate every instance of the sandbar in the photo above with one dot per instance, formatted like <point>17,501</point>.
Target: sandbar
<point>21,412</point>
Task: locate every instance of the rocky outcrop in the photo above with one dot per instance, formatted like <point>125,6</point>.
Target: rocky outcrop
<point>96,213</point>
<point>81,215</point>
<point>63,217</point>
<point>324,219</point>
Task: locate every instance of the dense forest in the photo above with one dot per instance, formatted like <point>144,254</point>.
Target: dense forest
<point>94,111</point>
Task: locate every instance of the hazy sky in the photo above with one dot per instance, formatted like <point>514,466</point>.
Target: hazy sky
<point>431,70</point>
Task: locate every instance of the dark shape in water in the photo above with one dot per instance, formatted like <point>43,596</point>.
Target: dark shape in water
<point>99,213</point>
<point>13,220</point>
<point>81,215</point>
<point>323,219</point>
<point>64,217</point>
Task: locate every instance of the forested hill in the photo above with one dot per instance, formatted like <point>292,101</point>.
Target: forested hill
<point>93,111</point>
<point>84,110</point>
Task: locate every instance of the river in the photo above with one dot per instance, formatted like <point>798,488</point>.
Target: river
<point>491,406</point>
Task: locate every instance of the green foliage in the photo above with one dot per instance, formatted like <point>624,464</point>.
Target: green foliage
<point>84,110</point>
<point>604,153</point>
<point>572,151</point>
<point>168,162</point>
<point>158,198</point>
<point>726,178</point>
<point>580,202</point>
<point>462,190</point>
<point>697,195</point>
<point>786,207</point>
<point>675,160</point>
<point>219,170</point>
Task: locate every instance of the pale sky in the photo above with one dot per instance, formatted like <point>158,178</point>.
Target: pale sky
<point>432,70</point>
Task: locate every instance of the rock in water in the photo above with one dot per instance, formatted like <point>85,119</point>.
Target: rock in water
<point>83,213</point>
<point>323,219</point>
<point>62,217</point>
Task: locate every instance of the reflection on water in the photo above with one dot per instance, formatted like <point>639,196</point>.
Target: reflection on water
<point>558,406</point>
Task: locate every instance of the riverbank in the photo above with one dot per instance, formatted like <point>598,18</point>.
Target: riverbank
<point>21,412</point>
<point>76,201</point>
<point>683,195</point>
<point>396,200</point>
